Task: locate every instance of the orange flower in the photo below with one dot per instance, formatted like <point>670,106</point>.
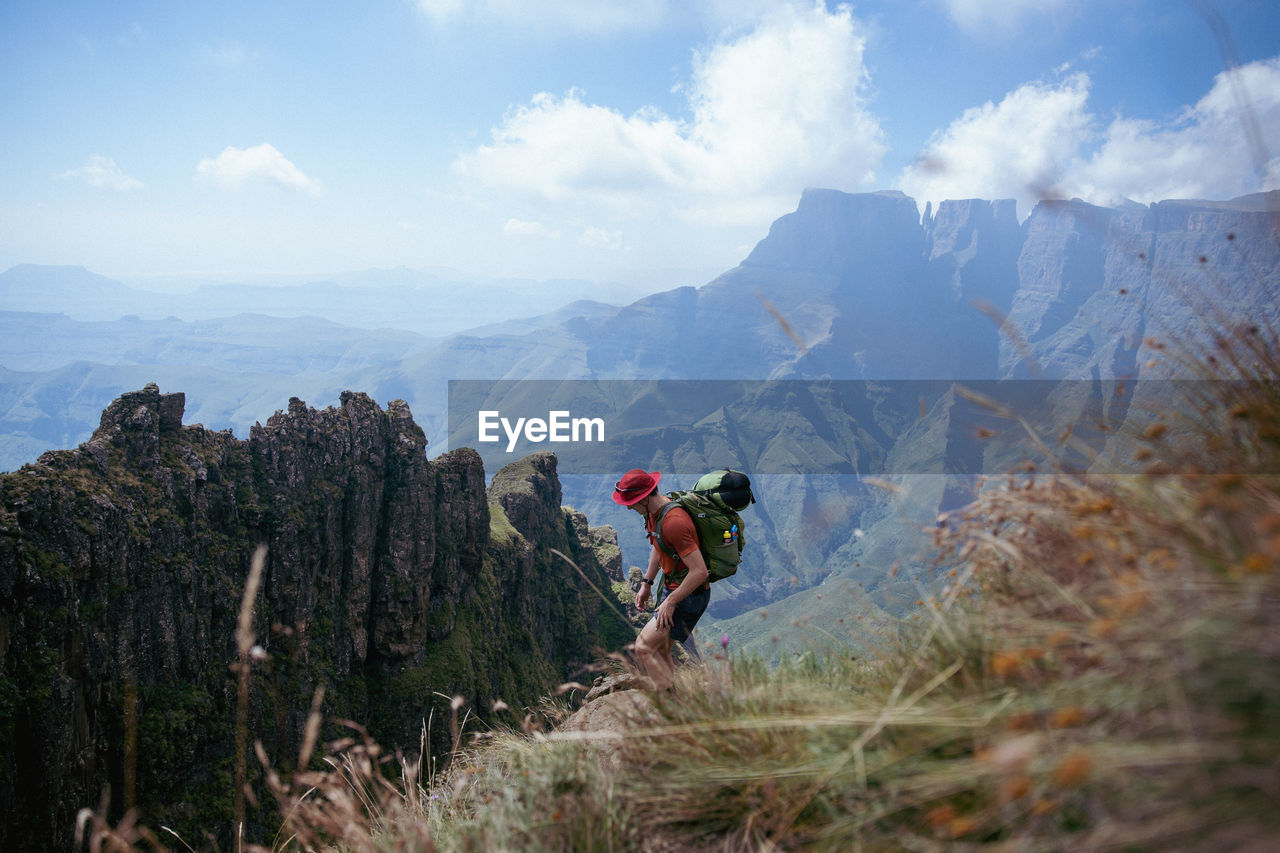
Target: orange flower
<point>1255,563</point>
<point>941,815</point>
<point>1021,722</point>
<point>1103,627</point>
<point>1131,602</point>
<point>1065,718</point>
<point>1004,664</point>
<point>1014,788</point>
<point>1073,769</point>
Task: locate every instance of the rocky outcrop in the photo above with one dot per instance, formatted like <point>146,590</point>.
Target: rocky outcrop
<point>1095,283</point>
<point>392,581</point>
<point>835,232</point>
<point>546,560</point>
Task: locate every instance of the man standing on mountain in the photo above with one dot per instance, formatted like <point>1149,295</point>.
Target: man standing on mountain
<point>684,574</point>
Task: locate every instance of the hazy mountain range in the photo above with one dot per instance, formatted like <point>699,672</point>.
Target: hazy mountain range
<point>848,287</point>
<point>410,300</point>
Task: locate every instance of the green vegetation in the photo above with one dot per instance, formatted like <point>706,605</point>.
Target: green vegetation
<point>501,532</point>
<point>175,727</point>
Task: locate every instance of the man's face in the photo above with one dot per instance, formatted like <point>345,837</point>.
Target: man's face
<point>641,505</point>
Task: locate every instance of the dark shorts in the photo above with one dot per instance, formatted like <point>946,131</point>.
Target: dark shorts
<point>687,613</point>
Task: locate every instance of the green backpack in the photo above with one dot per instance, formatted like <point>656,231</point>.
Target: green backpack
<point>713,504</point>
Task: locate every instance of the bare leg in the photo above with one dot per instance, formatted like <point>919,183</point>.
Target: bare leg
<point>653,652</point>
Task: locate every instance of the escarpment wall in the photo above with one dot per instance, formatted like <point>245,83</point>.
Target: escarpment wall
<point>122,566</point>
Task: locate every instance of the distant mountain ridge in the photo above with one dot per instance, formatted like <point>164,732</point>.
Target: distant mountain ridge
<point>423,303</point>
<point>862,280</point>
<point>848,286</point>
<point>863,287</point>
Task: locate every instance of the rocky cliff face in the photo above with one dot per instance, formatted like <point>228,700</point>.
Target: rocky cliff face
<point>872,290</point>
<point>1095,283</point>
<point>391,580</point>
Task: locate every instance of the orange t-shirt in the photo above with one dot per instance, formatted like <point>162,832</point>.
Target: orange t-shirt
<point>679,533</point>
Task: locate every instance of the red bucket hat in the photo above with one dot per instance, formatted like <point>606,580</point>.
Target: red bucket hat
<point>635,485</point>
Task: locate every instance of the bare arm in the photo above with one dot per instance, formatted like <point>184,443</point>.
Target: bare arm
<point>695,578</point>
<point>650,573</point>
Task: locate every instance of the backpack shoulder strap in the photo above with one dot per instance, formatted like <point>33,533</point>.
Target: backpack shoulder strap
<point>657,527</point>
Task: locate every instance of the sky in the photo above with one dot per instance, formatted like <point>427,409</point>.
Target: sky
<point>645,141</point>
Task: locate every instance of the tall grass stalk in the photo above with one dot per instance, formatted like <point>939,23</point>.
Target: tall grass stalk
<point>244,668</point>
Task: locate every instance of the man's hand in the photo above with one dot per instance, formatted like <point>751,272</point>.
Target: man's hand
<point>642,596</point>
<point>665,614</point>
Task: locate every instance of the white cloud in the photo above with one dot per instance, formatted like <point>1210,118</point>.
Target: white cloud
<point>1018,148</point>
<point>235,167</point>
<point>441,10</point>
<point>1042,140</point>
<point>521,228</point>
<point>735,14</point>
<point>601,238</point>
<point>772,111</point>
<point>1205,153</point>
<point>102,173</point>
<point>574,16</point>
<point>998,16</point>
<point>230,53</point>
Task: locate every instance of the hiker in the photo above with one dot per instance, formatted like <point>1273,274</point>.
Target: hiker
<point>684,576</point>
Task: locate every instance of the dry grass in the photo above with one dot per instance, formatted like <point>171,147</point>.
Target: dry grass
<point>352,804</point>
<point>1099,669</point>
